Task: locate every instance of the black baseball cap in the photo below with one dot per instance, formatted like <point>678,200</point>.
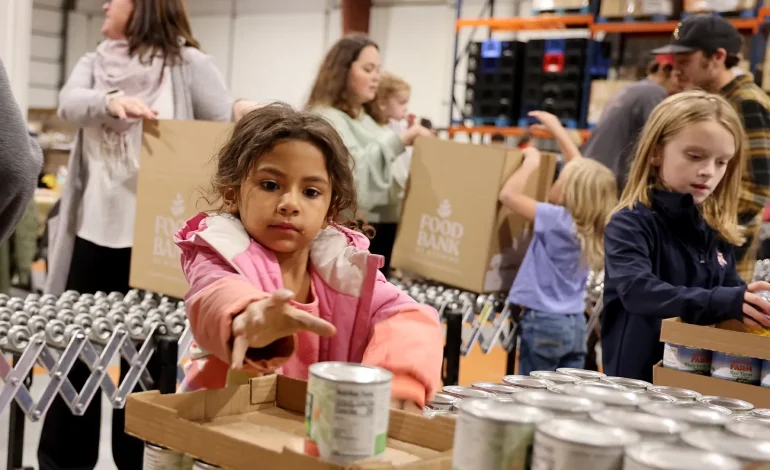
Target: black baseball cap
<point>705,33</point>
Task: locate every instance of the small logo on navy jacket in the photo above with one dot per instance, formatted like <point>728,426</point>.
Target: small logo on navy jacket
<point>721,259</point>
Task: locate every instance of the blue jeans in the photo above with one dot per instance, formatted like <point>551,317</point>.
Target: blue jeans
<point>551,340</point>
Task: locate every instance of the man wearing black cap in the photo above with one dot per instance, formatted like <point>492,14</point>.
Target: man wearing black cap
<point>707,49</point>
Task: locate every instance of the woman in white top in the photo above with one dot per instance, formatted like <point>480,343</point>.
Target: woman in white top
<point>149,67</point>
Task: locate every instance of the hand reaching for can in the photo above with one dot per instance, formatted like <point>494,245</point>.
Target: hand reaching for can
<point>756,308</point>
<point>265,321</point>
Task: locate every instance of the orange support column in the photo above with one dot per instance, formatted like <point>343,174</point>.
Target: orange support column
<point>355,16</point>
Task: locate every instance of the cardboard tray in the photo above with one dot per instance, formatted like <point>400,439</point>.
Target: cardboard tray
<point>262,424</point>
<point>720,339</point>
<point>754,394</point>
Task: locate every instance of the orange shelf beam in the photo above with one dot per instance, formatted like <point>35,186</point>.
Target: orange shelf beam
<point>540,22</point>
<point>764,12</point>
<point>642,27</point>
<point>509,131</point>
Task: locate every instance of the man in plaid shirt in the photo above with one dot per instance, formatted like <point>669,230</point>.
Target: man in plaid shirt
<point>707,50</point>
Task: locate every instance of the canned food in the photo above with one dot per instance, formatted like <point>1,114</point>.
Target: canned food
<point>750,430</point>
<point>582,374</point>
<point>695,416</point>
<point>681,394</point>
<point>562,406</point>
<point>347,409</point>
<point>491,435</point>
<point>525,381</point>
<point>663,456</point>
<point>497,389</point>
<point>442,401</point>
<point>569,444</point>
<point>599,383</point>
<point>651,428</point>
<point>764,376</point>
<point>556,389</point>
<point>160,458</point>
<point>692,360</point>
<point>748,451</point>
<point>555,377</point>
<point>629,384</point>
<point>201,465</point>
<point>430,414</point>
<point>734,405</point>
<point>752,419</point>
<point>698,404</point>
<point>604,395</point>
<point>655,397</point>
<point>736,368</point>
<point>466,392</point>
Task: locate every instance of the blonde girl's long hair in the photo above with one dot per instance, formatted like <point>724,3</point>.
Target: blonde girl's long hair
<point>389,85</point>
<point>590,193</point>
<point>666,121</point>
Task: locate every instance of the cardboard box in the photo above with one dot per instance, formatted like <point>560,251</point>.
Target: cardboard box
<point>699,6</point>
<point>453,229</point>
<point>614,8</point>
<point>261,425</point>
<point>731,339</point>
<point>601,92</point>
<point>175,171</point>
<point>638,8</point>
<point>545,5</point>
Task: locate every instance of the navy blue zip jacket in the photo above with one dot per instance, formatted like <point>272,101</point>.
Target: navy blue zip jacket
<point>662,261</point>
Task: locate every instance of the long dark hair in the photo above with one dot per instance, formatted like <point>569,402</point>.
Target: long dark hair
<point>159,27</point>
<point>331,83</point>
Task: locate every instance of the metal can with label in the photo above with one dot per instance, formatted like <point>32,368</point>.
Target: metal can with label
<point>764,378</point>
<point>695,416</point>
<point>736,368</point>
<point>347,409</point>
<point>681,394</point>
<point>692,360</point>
<point>430,414</point>
<point>750,430</point>
<point>562,406</point>
<point>491,435</point>
<point>570,444</point>
<point>556,377</point>
<point>609,397</point>
<point>761,412</point>
<point>664,456</point>
<point>160,458</point>
<point>442,401</point>
<point>466,392</point>
<point>201,465</point>
<point>497,389</point>
<point>753,454</point>
<point>582,374</point>
<point>526,381</point>
<point>650,427</point>
<point>736,407</point>
<point>628,384</point>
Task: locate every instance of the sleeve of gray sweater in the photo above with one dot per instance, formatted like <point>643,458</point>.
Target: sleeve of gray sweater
<point>20,159</point>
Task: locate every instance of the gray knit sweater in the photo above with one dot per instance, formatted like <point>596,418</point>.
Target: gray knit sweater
<point>20,159</point>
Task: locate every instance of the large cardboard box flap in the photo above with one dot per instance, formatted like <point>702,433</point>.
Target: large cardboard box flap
<point>261,425</point>
<point>710,338</point>
<point>453,229</point>
<point>176,166</point>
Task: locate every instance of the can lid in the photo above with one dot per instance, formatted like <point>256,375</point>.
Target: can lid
<point>627,383</point>
<point>752,419</point>
<point>663,456</point>
<point>495,410</point>
<point>732,404</point>
<point>761,412</point>
<point>599,383</point>
<point>603,394</point>
<point>641,422</point>
<point>443,398</point>
<point>698,404</point>
<point>656,397</point>
<point>350,373</point>
<point>466,392</point>
<point>678,393</point>
<point>556,377</point>
<point>433,413</point>
<point>752,430</point>
<point>492,387</point>
<point>588,433</point>
<point>559,389</point>
<point>555,401</point>
<point>525,381</point>
<point>722,442</point>
<point>697,415</point>
<point>581,373</point>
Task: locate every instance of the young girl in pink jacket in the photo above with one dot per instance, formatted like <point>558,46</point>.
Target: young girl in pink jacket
<point>277,281</point>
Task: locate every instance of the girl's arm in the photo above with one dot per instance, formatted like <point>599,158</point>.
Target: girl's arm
<point>552,124</point>
<point>512,195</point>
<point>79,103</point>
<point>628,239</point>
<point>407,340</point>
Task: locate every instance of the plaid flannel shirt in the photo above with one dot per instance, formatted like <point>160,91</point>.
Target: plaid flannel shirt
<point>753,105</point>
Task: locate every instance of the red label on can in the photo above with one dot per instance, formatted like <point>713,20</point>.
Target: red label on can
<point>311,448</point>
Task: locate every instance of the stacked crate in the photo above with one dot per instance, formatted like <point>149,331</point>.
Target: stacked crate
<point>493,87</point>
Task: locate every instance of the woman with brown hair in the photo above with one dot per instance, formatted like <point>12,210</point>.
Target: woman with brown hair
<point>149,67</point>
<point>345,92</point>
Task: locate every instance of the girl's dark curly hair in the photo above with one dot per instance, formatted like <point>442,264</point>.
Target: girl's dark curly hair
<point>262,129</point>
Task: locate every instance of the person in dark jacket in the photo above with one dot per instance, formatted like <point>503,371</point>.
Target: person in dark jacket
<point>668,245</point>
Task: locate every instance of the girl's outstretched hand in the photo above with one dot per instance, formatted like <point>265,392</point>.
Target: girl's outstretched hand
<point>548,121</point>
<point>271,319</point>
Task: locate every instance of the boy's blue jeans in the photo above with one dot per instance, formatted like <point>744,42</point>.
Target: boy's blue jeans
<point>551,340</point>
